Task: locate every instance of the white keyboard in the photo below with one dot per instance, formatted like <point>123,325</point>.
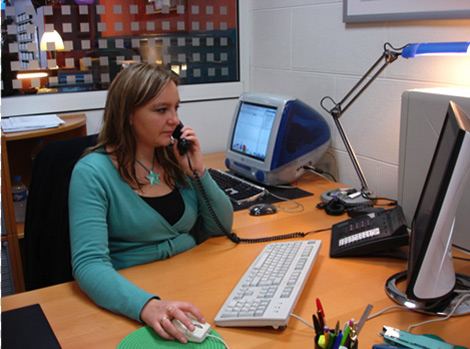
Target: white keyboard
<point>267,293</point>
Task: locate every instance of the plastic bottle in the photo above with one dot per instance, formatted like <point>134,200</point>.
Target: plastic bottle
<point>20,196</point>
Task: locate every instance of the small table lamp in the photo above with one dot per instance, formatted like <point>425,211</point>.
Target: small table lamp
<point>52,42</point>
<point>364,196</point>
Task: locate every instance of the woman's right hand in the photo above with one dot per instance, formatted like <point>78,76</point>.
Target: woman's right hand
<point>158,314</point>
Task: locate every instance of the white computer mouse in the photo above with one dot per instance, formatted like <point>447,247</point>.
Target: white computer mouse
<point>198,335</point>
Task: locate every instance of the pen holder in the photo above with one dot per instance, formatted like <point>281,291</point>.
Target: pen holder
<point>321,344</point>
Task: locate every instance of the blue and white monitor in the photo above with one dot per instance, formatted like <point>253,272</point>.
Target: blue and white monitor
<point>273,137</point>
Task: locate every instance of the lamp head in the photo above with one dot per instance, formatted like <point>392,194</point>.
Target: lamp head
<point>49,38</point>
<point>436,48</point>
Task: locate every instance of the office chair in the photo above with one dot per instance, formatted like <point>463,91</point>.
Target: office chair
<point>46,231</point>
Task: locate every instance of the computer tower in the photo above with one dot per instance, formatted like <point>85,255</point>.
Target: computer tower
<point>422,115</point>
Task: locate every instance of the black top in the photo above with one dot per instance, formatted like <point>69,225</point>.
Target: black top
<point>170,206</point>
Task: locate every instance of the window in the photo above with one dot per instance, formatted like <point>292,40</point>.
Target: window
<point>65,46</point>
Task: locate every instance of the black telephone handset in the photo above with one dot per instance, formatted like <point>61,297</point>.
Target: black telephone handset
<point>183,144</point>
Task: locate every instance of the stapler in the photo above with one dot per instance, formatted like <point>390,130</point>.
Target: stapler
<point>402,339</point>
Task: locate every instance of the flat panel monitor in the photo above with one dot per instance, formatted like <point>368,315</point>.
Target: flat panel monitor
<point>432,286</point>
<point>273,137</point>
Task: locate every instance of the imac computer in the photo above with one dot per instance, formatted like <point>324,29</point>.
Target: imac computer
<point>273,137</point>
<point>432,286</point>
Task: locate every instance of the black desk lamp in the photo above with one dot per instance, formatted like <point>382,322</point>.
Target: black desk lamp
<point>364,196</point>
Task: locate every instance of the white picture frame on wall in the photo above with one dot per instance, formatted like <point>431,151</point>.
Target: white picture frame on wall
<point>403,10</point>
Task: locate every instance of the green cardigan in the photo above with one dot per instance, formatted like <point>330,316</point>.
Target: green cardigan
<point>111,228</point>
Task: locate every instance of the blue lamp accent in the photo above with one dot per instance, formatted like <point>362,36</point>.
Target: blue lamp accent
<point>436,48</point>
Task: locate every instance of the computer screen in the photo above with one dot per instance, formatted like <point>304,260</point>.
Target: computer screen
<point>431,279</point>
<point>272,137</point>
<point>253,128</point>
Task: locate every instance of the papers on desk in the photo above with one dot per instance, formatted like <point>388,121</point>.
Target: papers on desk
<point>29,123</point>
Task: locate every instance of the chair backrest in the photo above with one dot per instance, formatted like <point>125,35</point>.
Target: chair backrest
<point>46,232</point>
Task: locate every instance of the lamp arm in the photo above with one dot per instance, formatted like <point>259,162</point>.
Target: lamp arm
<point>337,111</point>
<point>365,189</point>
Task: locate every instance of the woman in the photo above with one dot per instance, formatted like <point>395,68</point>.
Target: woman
<point>134,199</point>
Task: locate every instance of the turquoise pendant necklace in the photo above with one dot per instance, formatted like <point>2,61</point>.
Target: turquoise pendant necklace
<point>152,177</point>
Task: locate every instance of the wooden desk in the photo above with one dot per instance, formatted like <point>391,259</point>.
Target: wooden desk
<point>206,274</point>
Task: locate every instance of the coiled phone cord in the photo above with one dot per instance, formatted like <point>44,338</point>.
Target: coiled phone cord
<point>232,236</point>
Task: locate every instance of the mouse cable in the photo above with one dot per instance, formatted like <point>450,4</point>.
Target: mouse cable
<point>219,339</point>
<point>232,236</point>
<point>296,206</point>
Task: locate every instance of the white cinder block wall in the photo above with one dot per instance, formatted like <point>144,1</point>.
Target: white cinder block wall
<point>302,48</point>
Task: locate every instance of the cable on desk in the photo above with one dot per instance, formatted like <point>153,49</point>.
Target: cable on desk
<point>291,206</point>
<point>424,322</point>
<point>219,339</point>
<point>232,236</point>
<point>387,309</point>
<point>305,322</point>
<point>461,258</point>
<point>296,206</point>
<point>320,172</point>
<point>440,319</point>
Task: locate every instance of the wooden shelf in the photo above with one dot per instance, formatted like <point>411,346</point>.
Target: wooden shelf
<point>72,122</point>
<point>17,148</point>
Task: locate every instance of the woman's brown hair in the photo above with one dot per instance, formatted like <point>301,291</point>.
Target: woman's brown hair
<point>132,88</point>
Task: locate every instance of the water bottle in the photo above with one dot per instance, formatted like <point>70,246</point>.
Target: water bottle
<point>20,196</point>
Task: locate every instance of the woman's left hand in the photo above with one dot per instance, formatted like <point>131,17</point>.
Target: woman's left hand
<point>195,162</point>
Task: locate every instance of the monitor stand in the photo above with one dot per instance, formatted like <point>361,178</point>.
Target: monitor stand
<point>442,307</point>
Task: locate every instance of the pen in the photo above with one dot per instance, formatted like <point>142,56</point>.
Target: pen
<point>320,313</point>
<point>317,325</point>
<point>332,341</point>
<point>337,327</point>
<point>338,341</point>
<point>345,335</point>
<point>327,334</point>
<point>322,342</point>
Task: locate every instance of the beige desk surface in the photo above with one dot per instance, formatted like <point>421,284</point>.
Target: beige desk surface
<point>206,274</point>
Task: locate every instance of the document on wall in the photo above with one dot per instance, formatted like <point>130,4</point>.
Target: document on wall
<point>32,122</point>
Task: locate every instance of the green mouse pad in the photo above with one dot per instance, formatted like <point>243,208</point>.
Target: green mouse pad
<point>146,337</point>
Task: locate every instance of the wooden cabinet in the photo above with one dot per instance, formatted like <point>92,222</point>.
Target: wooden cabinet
<point>17,152</point>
